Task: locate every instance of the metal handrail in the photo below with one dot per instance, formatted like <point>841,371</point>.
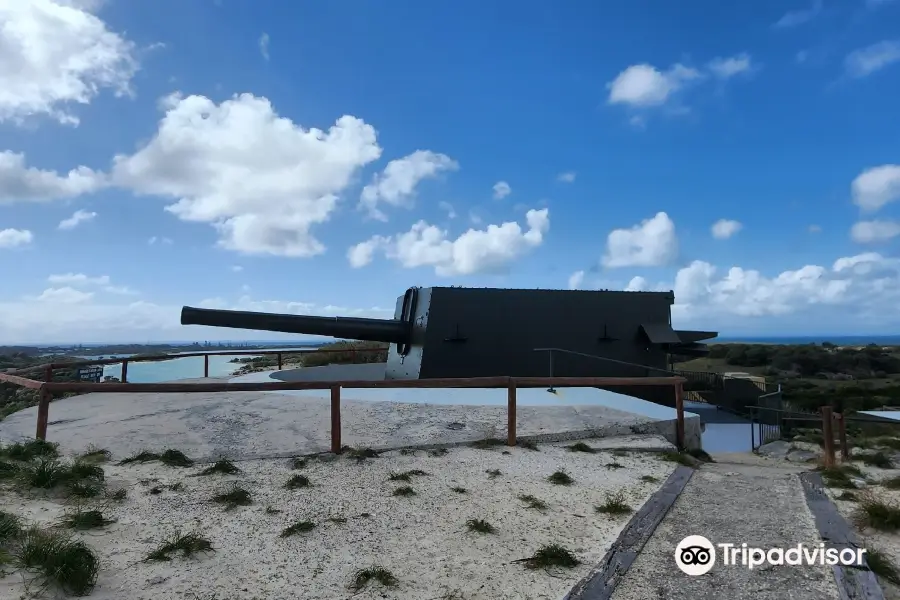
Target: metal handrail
<point>550,352</point>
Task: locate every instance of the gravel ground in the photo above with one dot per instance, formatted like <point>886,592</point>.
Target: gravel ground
<point>422,539</point>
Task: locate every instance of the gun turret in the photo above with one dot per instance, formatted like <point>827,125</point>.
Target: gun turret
<point>354,328</point>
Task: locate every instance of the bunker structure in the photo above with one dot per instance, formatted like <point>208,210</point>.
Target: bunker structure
<point>456,332</point>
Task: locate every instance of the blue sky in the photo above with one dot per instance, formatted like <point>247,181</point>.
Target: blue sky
<point>779,118</point>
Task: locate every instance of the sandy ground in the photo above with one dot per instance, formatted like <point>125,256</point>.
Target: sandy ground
<point>422,539</point>
<point>889,543</point>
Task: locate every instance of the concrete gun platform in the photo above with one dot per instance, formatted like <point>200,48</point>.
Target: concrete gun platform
<point>242,425</point>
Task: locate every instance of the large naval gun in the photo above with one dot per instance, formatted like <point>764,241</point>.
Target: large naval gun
<point>453,332</point>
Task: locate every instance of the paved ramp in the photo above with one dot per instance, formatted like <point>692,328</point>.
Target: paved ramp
<point>746,500</point>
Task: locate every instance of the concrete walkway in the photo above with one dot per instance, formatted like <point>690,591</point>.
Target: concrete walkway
<point>745,500</point>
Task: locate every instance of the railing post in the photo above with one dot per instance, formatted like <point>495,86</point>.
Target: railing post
<point>511,412</point>
<point>842,437</point>
<point>125,371</point>
<point>279,361</point>
<point>828,435</point>
<point>206,365</point>
<point>48,373</point>
<point>335,419</point>
<point>679,415</point>
<point>43,414</point>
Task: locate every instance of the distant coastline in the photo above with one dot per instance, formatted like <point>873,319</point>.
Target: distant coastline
<point>840,340</point>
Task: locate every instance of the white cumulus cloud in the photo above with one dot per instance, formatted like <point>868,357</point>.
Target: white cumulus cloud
<point>55,55</point>
<point>396,186</point>
<point>21,183</point>
<point>78,279</point>
<point>11,238</point>
<point>78,217</point>
<point>875,187</point>
<point>652,243</point>
<point>64,295</point>
<point>644,85</point>
<point>260,179</point>
<point>264,45</point>
<point>501,190</point>
<point>867,232</point>
<point>567,177</point>
<point>725,228</point>
<point>488,250</point>
<point>726,68</point>
<point>576,280</point>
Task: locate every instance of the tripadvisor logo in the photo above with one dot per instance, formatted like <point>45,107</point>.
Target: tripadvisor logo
<point>696,555</point>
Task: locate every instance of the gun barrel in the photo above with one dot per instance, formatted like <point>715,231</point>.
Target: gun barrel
<point>355,328</point>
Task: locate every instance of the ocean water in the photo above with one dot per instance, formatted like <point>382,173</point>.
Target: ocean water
<point>171,370</point>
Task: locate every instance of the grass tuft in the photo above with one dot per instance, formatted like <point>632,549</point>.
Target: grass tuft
<point>143,456</point>
<point>438,452</point>
<point>9,470</point>
<point>677,457</point>
<point>838,477</point>
<point>272,511</point>
<point>120,494</point>
<point>553,555</point>
<point>459,490</point>
<point>649,479</point>
<point>877,513</point>
<point>700,454</point>
<point>533,502</point>
<point>877,459</point>
<point>25,451</point>
<point>234,497</point>
<point>377,573</point>
<point>298,463</point>
<point>298,527</point>
<point>528,445</point>
<point>580,447</point>
<point>880,564</point>
<point>892,483</point>
<point>494,473</point>
<point>487,444</point>
<point>399,477</point>
<point>297,481</point>
<point>171,457</point>
<point>404,491</point>
<point>480,526</point>
<point>93,454</point>
<point>86,519</point>
<point>360,454</point>
<point>614,465</point>
<point>336,519</point>
<point>175,458</point>
<point>847,496</point>
<point>60,560</point>
<point>222,466</point>
<point>561,478</point>
<point>187,544</point>
<point>10,528</point>
<point>614,505</point>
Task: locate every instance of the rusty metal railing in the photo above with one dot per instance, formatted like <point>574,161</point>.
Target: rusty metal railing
<point>46,390</point>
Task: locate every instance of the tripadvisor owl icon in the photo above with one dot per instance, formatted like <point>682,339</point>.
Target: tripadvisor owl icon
<point>695,555</point>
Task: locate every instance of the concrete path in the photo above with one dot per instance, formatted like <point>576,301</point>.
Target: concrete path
<point>741,501</point>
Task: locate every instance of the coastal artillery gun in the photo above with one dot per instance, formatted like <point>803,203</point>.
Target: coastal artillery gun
<point>456,332</point>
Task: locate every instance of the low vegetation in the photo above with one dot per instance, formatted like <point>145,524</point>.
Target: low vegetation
<point>187,544</point>
<point>233,497</point>
<point>840,476</point>
<point>170,457</point>
<point>533,502</point>
<point>488,443</point>
<point>614,505</point>
<point>359,454</point>
<point>223,466</point>
<point>561,478</point>
<point>297,481</point>
<point>877,459</point>
<point>404,491</point>
<point>550,556</point>
<point>298,527</point>
<point>494,473</point>
<point>877,512</point>
<point>85,519</point>
<point>880,564</point>
<point>480,526</point>
<point>377,573</point>
<point>580,447</point>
